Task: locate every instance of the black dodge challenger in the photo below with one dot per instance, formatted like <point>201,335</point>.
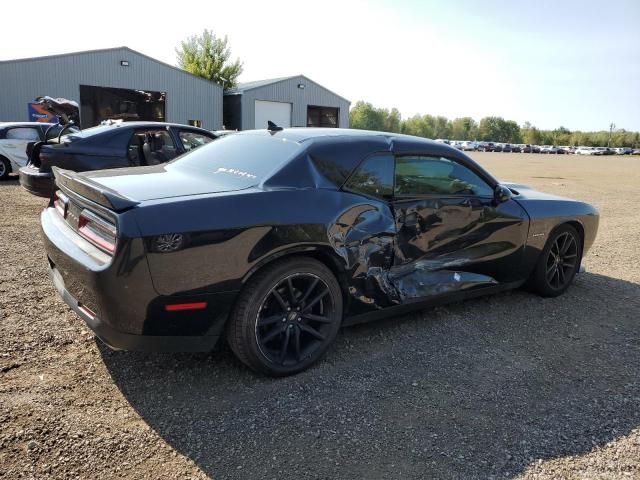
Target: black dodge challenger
<point>276,239</point>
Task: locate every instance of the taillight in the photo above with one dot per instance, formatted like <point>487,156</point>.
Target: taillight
<point>98,231</point>
<point>60,202</point>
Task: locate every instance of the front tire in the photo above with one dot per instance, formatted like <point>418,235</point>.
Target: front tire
<point>286,317</point>
<point>558,263</point>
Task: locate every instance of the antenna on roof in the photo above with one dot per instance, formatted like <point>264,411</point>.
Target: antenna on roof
<point>272,127</point>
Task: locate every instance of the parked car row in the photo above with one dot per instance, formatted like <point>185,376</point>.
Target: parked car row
<point>526,148</point>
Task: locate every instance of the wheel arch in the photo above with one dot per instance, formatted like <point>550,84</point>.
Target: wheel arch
<point>579,228</point>
<point>324,254</point>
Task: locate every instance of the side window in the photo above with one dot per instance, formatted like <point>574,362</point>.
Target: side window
<point>373,177</point>
<point>23,133</point>
<point>157,147</point>
<point>191,140</point>
<point>437,176</point>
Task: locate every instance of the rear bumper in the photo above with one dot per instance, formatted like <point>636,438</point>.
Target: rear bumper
<point>118,340</point>
<point>116,299</point>
<point>36,182</point>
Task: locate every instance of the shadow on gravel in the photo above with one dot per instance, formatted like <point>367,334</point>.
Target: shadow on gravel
<point>11,180</point>
<point>475,390</point>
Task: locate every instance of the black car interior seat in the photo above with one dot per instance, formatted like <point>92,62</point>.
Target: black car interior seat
<point>152,149</point>
<point>134,151</point>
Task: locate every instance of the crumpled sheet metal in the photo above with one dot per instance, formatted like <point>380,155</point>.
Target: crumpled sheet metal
<point>369,256</point>
<point>424,282</point>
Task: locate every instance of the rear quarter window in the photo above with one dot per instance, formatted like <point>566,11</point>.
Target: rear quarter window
<point>374,177</point>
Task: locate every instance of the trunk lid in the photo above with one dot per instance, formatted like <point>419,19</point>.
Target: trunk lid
<point>123,188</point>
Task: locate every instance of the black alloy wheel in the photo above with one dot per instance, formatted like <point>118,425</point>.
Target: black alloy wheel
<point>562,260</point>
<point>286,316</point>
<point>294,319</point>
<point>558,262</point>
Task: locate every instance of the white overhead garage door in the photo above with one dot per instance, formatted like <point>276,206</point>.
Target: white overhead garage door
<point>278,112</point>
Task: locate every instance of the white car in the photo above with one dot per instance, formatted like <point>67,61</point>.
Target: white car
<point>469,146</point>
<point>548,149</point>
<point>14,138</point>
<point>586,151</point>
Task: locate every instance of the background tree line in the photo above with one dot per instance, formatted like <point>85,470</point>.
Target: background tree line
<point>209,56</point>
<point>365,116</point>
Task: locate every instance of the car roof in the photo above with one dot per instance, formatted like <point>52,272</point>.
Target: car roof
<point>139,124</point>
<point>309,134</point>
<point>356,144</point>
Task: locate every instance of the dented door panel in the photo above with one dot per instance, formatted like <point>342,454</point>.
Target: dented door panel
<point>456,243</point>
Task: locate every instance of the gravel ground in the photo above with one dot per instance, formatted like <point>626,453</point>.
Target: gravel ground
<point>506,386</point>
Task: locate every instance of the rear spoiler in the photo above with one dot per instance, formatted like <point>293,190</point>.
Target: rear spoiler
<point>93,191</point>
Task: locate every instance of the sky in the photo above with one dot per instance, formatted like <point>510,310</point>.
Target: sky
<point>552,63</point>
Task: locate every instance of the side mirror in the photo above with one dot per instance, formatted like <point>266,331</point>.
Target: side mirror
<point>501,194</point>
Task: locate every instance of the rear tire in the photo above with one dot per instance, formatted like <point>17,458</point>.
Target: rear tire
<point>558,263</point>
<point>5,168</point>
<point>286,317</point>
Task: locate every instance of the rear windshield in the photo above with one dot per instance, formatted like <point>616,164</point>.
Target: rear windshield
<point>240,160</point>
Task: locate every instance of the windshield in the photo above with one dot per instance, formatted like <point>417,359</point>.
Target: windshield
<point>239,160</point>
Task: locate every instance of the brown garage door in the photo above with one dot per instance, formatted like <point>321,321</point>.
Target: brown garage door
<point>322,116</point>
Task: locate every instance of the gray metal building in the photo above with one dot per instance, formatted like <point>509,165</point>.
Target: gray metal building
<point>289,102</point>
<point>111,83</point>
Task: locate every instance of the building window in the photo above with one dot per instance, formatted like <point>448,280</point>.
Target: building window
<point>322,117</point>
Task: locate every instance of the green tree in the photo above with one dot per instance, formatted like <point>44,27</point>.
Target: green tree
<point>561,136</point>
<point>465,128</point>
<point>420,126</point>
<point>499,130</point>
<point>512,132</point>
<point>531,136</point>
<point>365,116</point>
<point>490,129</point>
<point>393,121</point>
<point>209,57</point>
<point>442,127</point>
